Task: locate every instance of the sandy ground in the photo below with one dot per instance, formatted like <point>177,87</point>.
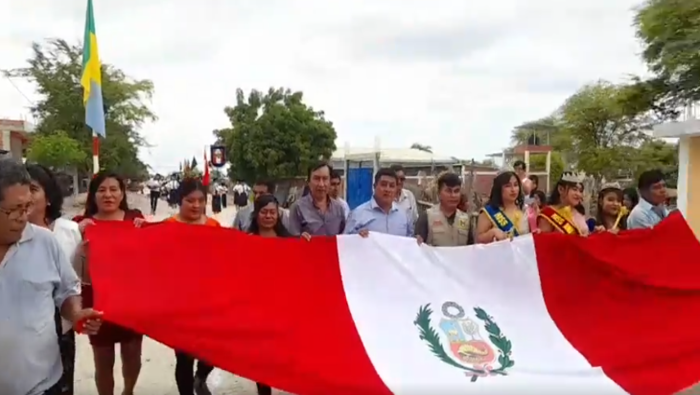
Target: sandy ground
<point>158,372</point>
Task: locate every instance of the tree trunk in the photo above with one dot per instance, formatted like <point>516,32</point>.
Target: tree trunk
<point>76,181</point>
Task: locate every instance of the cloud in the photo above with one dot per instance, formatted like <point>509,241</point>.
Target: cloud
<point>381,41</point>
<point>455,75</point>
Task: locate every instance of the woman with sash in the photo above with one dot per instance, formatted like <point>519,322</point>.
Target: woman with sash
<point>561,214</point>
<point>611,215</point>
<point>502,217</point>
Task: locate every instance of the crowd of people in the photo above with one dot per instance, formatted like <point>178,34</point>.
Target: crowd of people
<point>516,206</point>
<point>41,303</point>
<point>169,189</point>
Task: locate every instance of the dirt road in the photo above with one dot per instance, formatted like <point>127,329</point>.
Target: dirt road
<point>158,374</point>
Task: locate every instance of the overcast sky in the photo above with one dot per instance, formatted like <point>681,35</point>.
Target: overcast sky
<point>457,75</point>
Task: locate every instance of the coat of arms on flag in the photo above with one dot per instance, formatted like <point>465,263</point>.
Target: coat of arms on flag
<point>468,350</point>
<point>218,155</point>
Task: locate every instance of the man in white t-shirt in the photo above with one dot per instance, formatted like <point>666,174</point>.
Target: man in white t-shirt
<point>405,198</point>
<point>240,195</point>
<point>154,188</point>
<point>223,193</point>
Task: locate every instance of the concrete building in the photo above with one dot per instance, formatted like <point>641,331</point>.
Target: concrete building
<point>413,160</point>
<point>14,138</point>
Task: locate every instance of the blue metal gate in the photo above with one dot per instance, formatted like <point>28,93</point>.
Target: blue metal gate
<point>359,186</point>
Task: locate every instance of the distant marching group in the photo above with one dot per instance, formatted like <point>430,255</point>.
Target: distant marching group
<point>46,291</point>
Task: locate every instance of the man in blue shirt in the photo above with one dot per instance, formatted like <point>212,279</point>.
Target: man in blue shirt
<point>651,208</point>
<point>381,214</point>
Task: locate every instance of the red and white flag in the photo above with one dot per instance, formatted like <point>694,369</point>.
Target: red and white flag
<point>206,180</point>
<point>543,314</point>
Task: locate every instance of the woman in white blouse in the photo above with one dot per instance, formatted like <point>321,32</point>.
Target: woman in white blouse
<point>47,199</point>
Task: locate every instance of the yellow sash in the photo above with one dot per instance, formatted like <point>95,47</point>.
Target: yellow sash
<point>559,221</point>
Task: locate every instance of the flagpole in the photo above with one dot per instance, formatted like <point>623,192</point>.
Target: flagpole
<point>91,83</point>
<point>95,153</point>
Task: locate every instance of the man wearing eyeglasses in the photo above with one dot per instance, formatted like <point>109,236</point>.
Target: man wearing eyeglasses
<point>35,278</point>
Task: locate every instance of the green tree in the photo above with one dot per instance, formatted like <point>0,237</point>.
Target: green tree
<point>545,131</point>
<point>605,128</point>
<point>657,154</point>
<point>56,150</point>
<point>56,68</point>
<point>421,147</point>
<point>670,35</point>
<point>274,135</point>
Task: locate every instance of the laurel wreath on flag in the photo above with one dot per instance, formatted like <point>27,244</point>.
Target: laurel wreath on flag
<point>432,338</point>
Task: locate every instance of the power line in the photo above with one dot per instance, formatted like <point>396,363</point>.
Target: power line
<point>8,76</point>
<point>9,79</point>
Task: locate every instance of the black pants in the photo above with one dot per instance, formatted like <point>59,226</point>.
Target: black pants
<point>66,344</point>
<point>55,390</point>
<point>224,201</point>
<point>155,195</point>
<point>263,389</point>
<point>184,372</point>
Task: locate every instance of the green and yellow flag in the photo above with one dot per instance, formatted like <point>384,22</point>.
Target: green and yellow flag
<point>92,77</point>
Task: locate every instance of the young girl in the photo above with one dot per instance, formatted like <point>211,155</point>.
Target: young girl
<point>538,200</point>
<point>503,215</point>
<point>561,214</point>
<point>611,214</point>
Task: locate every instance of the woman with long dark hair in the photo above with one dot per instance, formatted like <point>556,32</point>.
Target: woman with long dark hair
<point>561,214</point>
<point>611,214</point>
<point>107,201</point>
<point>266,222</point>
<point>47,200</point>
<point>193,201</point>
<point>503,215</point>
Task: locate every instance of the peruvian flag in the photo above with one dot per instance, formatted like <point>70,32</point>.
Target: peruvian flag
<point>542,314</point>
